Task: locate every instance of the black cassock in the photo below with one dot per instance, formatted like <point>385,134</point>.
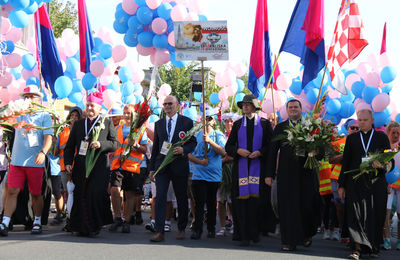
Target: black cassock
<point>91,209</point>
<point>365,197</point>
<point>298,191</point>
<point>251,215</point>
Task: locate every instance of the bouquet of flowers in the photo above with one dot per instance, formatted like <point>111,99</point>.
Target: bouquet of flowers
<point>137,126</point>
<point>383,158</point>
<point>170,157</point>
<point>309,136</point>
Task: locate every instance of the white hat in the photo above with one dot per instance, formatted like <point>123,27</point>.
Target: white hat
<point>31,89</point>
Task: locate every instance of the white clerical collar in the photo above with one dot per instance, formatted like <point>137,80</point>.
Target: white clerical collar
<point>92,118</point>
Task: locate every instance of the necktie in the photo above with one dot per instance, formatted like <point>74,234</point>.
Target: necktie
<point>169,127</point>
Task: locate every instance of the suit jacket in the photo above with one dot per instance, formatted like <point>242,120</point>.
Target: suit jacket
<point>179,166</point>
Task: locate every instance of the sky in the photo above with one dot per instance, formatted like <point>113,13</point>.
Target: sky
<point>240,15</point>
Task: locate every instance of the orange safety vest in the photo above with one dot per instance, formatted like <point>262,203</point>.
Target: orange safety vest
<point>63,139</point>
<point>338,146</point>
<point>325,186</point>
<point>396,185</point>
<point>132,163</point>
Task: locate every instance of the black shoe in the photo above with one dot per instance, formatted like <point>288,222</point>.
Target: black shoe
<point>236,237</point>
<point>211,234</point>
<point>307,242</point>
<point>126,228</point>
<point>3,230</point>
<point>94,233</point>
<point>244,243</point>
<point>114,226</point>
<point>150,227</point>
<point>196,235</point>
<point>138,218</point>
<point>132,221</point>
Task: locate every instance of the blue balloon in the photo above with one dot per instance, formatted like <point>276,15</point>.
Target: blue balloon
<point>16,72</point>
<point>121,16</point>
<point>97,43</point>
<point>32,8</point>
<point>333,106</point>
<point>202,17</point>
<point>106,51</point>
<point>120,28</point>
<point>160,41</point>
<point>153,118</point>
<point>381,118</point>
<point>134,25</point>
<point>349,97</point>
<point>369,93</point>
<point>240,84</point>
<point>170,26</point>
<point>131,40</point>
<point>197,96</point>
<point>3,2</point>
<point>144,15</point>
<point>129,100</point>
<point>398,118</point>
<point>386,89</point>
<point>139,99</point>
<point>214,99</point>
<point>157,110</point>
<point>333,118</point>
<point>388,74</point>
<point>141,2</point>
<point>114,86</point>
<point>357,88</point>
<point>28,62</point>
<point>18,18</point>
<point>164,11</point>
<point>77,85</point>
<point>153,102</point>
<point>33,81</point>
<point>392,176</point>
<point>63,87</point>
<point>343,130</point>
<point>72,66</point>
<point>119,7</point>
<point>7,47</point>
<point>177,63</point>
<point>89,81</point>
<point>125,74</point>
<point>239,97</point>
<point>76,97</point>
<point>312,95</point>
<point>19,4</point>
<point>146,39</point>
<point>191,113</point>
<point>296,88</point>
<point>127,88</point>
<point>347,109</point>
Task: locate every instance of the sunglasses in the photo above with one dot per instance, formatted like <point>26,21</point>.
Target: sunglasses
<point>354,128</point>
<point>168,104</point>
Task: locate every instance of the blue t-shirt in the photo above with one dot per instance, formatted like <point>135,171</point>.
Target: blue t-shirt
<point>54,161</point>
<point>213,171</point>
<point>22,153</point>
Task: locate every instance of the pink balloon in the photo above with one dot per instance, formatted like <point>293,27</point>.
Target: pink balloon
<point>384,60</point>
<point>14,35</point>
<point>333,94</point>
<point>31,45</point>
<point>97,68</point>
<point>283,81</point>
<point>230,91</point>
<point>153,4</point>
<point>350,79</point>
<point>178,13</point>
<point>192,16</point>
<point>162,57</point>
<point>228,77</point>
<point>159,25</point>
<point>5,26</point>
<point>80,74</point>
<point>225,105</point>
<point>283,113</point>
<point>6,79</point>
<point>139,91</point>
<point>161,101</point>
<point>13,60</point>
<point>171,38</point>
<point>239,69</point>
<point>219,79</point>
<point>373,60</point>
<point>197,6</point>
<point>166,89</point>
<point>68,34</point>
<point>363,106</point>
<point>4,96</point>
<point>380,102</point>
<point>397,159</point>
<point>119,53</point>
<point>372,79</point>
<point>109,97</point>
<point>145,51</point>
<point>222,94</point>
<point>363,69</point>
<point>106,80</point>
<point>138,76</point>
<point>267,106</point>
<point>129,6</point>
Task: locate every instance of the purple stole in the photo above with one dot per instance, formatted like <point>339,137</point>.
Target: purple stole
<point>249,177</point>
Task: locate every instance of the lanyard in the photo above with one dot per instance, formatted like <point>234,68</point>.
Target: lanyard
<point>90,130</point>
<point>369,142</point>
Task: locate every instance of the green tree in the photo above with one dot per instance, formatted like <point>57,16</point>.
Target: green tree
<point>63,14</point>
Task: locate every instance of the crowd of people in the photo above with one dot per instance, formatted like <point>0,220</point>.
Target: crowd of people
<point>241,173</point>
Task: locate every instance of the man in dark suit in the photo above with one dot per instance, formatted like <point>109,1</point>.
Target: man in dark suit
<point>168,131</point>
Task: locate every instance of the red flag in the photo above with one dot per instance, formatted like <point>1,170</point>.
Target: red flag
<point>383,46</point>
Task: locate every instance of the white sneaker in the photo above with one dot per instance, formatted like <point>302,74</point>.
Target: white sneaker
<point>327,235</point>
<point>335,235</point>
<point>221,233</point>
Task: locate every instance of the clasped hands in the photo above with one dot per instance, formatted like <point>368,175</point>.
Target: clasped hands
<point>247,154</point>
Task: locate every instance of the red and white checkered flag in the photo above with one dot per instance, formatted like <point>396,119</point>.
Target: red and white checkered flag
<point>348,40</point>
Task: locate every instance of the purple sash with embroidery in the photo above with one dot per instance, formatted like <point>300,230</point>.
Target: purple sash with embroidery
<point>249,177</point>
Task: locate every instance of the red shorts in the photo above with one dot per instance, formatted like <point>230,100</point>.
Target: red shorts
<point>18,174</point>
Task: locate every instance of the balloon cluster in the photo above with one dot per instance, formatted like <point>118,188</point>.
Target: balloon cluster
<point>18,11</point>
<point>148,26</point>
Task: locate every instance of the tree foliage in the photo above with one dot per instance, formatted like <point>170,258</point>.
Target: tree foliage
<point>63,14</point>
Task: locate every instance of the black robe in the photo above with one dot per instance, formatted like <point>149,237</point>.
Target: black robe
<point>91,209</point>
<point>298,191</point>
<point>250,214</point>
<point>365,197</point>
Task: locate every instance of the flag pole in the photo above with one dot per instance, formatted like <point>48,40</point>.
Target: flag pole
<point>320,87</point>
<point>269,83</point>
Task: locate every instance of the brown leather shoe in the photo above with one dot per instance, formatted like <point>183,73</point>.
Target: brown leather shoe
<point>158,237</point>
<point>180,235</point>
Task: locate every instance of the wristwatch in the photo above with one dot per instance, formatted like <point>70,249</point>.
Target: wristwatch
<point>43,152</point>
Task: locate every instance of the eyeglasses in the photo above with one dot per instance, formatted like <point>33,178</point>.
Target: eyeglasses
<point>354,128</point>
<point>30,96</point>
<point>168,104</point>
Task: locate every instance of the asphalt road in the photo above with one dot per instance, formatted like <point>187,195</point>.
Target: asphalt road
<point>57,245</point>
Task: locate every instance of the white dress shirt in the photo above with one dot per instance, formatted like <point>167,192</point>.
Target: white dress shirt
<point>174,118</point>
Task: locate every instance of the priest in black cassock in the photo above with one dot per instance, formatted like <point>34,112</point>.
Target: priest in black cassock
<point>248,144</point>
<point>365,197</point>
<point>91,208</point>
<point>298,187</point>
